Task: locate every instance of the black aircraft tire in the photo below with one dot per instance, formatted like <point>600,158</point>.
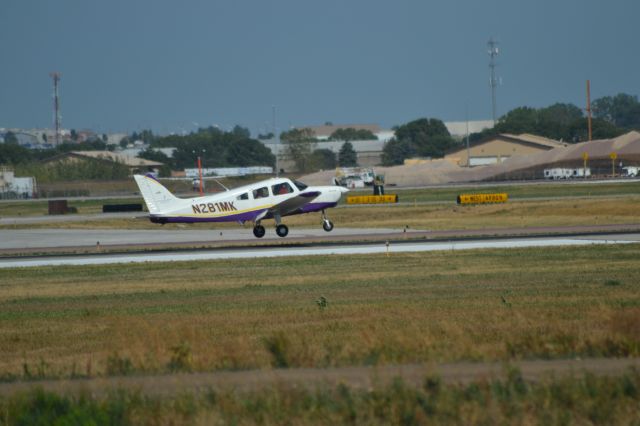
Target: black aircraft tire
<point>327,226</point>
<point>282,230</point>
<point>258,231</point>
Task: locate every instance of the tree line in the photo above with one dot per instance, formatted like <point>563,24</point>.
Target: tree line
<point>612,117</point>
<point>424,137</point>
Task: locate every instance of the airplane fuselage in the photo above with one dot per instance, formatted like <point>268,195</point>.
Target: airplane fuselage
<point>250,203</point>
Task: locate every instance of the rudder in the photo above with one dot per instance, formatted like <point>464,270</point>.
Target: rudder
<point>158,198</point>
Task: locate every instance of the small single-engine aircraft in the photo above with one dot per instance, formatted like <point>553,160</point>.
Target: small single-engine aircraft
<point>267,199</point>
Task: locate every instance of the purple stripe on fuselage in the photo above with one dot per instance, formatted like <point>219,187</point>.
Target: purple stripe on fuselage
<point>315,207</point>
<point>242,217</point>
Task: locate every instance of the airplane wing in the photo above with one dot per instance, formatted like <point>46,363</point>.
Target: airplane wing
<point>294,203</point>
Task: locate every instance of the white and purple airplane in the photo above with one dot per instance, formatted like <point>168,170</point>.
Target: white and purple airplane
<point>267,199</point>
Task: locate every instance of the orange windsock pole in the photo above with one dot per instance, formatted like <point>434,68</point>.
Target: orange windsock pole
<point>200,173</point>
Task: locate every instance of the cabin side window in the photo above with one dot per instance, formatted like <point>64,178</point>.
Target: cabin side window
<point>244,196</point>
<point>301,186</point>
<point>261,192</point>
<point>281,188</point>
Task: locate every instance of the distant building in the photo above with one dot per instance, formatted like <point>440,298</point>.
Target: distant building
<point>497,148</point>
<point>458,129</point>
<point>46,138</point>
<point>15,187</point>
<point>135,165</point>
<point>324,132</point>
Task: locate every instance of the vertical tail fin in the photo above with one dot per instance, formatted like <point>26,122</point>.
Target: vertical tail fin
<point>158,198</point>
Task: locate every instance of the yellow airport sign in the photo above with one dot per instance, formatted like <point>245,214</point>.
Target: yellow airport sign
<point>372,199</point>
<point>613,155</point>
<point>585,156</point>
<point>482,198</point>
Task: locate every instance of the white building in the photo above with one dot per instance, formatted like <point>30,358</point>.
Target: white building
<point>15,187</point>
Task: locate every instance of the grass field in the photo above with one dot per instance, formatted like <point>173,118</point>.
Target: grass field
<point>486,305</point>
<point>588,400</point>
<point>316,312</point>
<point>515,214</point>
<point>437,195</point>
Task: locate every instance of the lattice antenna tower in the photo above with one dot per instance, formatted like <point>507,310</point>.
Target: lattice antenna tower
<point>57,117</point>
<point>493,80</point>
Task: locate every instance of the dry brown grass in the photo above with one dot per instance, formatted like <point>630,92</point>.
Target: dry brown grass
<point>483,305</point>
<point>426,216</point>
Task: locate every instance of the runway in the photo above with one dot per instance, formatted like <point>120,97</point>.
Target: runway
<point>56,238</point>
<point>336,249</point>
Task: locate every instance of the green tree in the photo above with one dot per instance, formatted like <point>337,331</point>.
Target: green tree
<point>298,145</point>
<point>265,136</point>
<point>95,145</point>
<point>323,159</point>
<point>12,154</point>
<point>396,151</point>
<point>10,138</point>
<point>74,135</point>
<point>600,129</point>
<point>216,149</point>
<point>621,110</point>
<point>241,132</point>
<point>559,121</point>
<point>250,152</point>
<point>347,156</point>
<point>351,134</point>
<point>145,136</point>
<point>517,121</point>
<point>153,155</point>
<point>159,156</point>
<point>428,137</point>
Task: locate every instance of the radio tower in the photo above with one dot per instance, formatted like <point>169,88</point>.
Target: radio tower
<point>493,80</point>
<point>56,104</point>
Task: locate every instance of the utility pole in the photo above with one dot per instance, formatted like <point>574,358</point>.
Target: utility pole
<point>468,153</point>
<point>493,80</point>
<point>56,104</point>
<point>275,135</point>
<point>589,109</point>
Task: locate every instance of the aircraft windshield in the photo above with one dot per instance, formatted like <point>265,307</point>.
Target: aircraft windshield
<point>301,186</point>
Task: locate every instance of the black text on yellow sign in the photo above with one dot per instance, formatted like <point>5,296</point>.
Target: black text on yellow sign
<point>482,198</point>
<point>372,199</point>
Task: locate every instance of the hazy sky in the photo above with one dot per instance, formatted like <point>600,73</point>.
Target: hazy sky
<point>174,65</point>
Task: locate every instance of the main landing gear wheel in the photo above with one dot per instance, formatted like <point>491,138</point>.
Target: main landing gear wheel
<point>327,225</point>
<point>282,230</point>
<point>258,231</point>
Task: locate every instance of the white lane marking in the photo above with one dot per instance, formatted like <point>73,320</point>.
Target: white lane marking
<point>280,252</point>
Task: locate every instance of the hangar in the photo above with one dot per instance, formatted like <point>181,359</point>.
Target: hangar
<point>135,164</point>
<point>497,148</point>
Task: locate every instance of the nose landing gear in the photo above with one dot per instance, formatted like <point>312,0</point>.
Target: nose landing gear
<point>281,229</point>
